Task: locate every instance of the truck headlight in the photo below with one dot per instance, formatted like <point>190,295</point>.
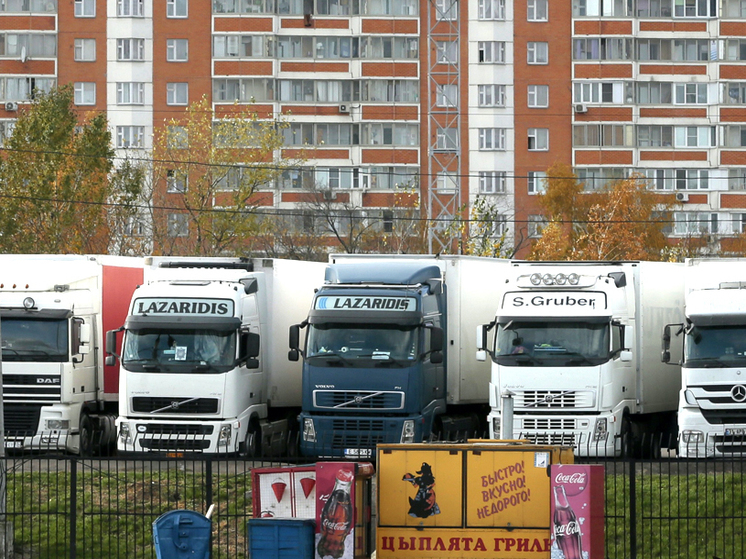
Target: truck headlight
<point>124,433</point>
<point>57,424</point>
<point>692,437</point>
<point>407,431</point>
<point>601,429</point>
<point>224,437</point>
<point>309,431</point>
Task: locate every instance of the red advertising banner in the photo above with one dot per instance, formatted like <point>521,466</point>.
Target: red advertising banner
<point>335,511</point>
<point>577,511</point>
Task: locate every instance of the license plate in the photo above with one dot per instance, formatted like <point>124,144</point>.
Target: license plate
<point>735,431</point>
<point>358,452</point>
<point>13,444</point>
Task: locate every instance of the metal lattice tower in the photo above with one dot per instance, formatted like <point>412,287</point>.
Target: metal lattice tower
<point>443,121</point>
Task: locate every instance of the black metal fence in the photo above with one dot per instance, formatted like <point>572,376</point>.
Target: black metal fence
<point>65,506</point>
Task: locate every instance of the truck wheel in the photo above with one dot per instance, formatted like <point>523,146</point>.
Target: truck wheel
<point>251,447</point>
<point>85,435</point>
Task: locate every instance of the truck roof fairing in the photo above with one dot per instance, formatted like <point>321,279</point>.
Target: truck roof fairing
<point>391,273</point>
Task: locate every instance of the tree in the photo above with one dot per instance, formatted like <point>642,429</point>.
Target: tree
<point>55,179</point>
<point>624,221</point>
<point>208,172</point>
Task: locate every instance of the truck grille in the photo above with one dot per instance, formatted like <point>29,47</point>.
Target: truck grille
<point>175,405</point>
<point>31,388</point>
<point>555,399</point>
<point>549,424</point>
<point>564,439</point>
<point>20,420</point>
<point>186,445</point>
<point>356,433</point>
<point>358,400</point>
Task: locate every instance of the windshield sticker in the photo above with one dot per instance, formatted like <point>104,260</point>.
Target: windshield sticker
<point>181,353</point>
<point>366,303</point>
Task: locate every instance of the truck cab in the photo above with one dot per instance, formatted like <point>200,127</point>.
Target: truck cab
<point>373,358</point>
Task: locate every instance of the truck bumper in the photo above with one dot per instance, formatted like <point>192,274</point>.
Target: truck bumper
<point>166,436</point>
<point>700,439</point>
<point>355,437</point>
<point>56,430</point>
<point>589,435</point>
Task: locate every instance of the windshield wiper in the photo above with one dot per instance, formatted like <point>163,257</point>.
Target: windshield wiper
<point>524,358</point>
<point>710,362</point>
<point>575,356</point>
<point>331,356</point>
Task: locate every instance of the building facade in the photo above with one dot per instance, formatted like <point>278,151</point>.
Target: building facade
<point>451,99</point>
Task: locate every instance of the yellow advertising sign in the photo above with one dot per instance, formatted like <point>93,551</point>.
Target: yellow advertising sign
<point>457,544</point>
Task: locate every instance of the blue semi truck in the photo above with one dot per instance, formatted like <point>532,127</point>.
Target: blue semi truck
<point>388,352</point>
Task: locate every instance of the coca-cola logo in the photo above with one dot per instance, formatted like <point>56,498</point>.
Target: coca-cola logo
<point>574,483</point>
<point>332,526</point>
<point>568,529</point>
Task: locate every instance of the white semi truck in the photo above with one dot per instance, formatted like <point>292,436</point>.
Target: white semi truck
<point>712,403</point>
<point>576,355</point>
<point>204,356</point>
<point>57,392</point>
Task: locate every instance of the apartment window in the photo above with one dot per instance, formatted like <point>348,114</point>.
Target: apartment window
<point>654,93</point>
<point>538,10</point>
<point>694,8</point>
<point>176,8</point>
<point>691,93</point>
<point>735,49</point>
<point>84,93</point>
<point>177,93</point>
<point>85,50</point>
<point>446,52</point>
<point>537,182</point>
<point>446,10</point>
<point>446,182</point>
<point>130,8</point>
<point>130,136</point>
<point>692,179</point>
<point>694,49</point>
<point>538,96</point>
<point>695,223</point>
<point>606,135</point>
<point>598,92</point>
<point>653,49</point>
<point>492,139</point>
<point>694,136</point>
<point>262,46</point>
<point>130,93</point>
<point>177,50</point>
<point>491,9</point>
<point>734,93</point>
<point>597,178</point>
<point>135,227</point>
<point>177,137</point>
<point>446,139</point>
<point>178,225</point>
<point>389,134</point>
<point>491,52</point>
<point>386,178</point>
<point>400,91</point>
<point>654,136</point>
<point>607,8</point>
<point>446,95</point>
<point>85,8</point>
<point>535,225</point>
<point>492,182</point>
<point>491,95</point>
<point>737,179</point>
<point>130,49</point>
<point>176,181</point>
<point>734,8</point>
<point>538,139</point>
<point>602,48</point>
<point>499,225</point>
<point>537,52</point>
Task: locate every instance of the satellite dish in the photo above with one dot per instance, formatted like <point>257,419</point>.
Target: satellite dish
<point>23,53</point>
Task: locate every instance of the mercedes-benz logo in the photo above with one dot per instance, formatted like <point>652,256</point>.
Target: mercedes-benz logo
<point>738,393</point>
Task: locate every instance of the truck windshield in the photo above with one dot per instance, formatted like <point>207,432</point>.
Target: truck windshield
<point>716,346</point>
<point>198,351</point>
<point>349,342</point>
<point>540,344</point>
<point>31,339</point>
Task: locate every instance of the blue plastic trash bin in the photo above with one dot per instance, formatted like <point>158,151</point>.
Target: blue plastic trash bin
<point>182,534</point>
<point>281,538</point>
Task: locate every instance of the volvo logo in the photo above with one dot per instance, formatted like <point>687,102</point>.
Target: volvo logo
<point>175,405</point>
<point>358,399</point>
<point>738,393</point>
<point>549,398</point>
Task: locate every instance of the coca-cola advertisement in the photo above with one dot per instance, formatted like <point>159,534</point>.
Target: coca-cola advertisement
<point>577,511</point>
<point>335,511</point>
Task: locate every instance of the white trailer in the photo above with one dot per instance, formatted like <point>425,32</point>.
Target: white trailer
<point>57,393</point>
<point>576,355</point>
<point>712,402</point>
<point>204,355</point>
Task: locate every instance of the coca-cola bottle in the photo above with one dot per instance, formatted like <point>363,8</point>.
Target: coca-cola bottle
<point>336,518</point>
<point>566,527</point>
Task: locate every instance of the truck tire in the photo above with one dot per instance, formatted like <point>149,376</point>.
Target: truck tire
<point>85,435</point>
<point>251,446</point>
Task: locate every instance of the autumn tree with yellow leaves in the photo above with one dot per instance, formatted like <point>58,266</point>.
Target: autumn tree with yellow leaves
<point>624,221</point>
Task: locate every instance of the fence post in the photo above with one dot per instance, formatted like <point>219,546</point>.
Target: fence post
<point>632,506</point>
<point>73,506</point>
<point>208,482</point>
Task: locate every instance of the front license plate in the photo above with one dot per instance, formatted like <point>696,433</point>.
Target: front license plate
<point>13,444</point>
<point>735,431</point>
<point>358,452</point>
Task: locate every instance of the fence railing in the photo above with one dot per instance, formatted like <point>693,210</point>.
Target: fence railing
<point>66,506</point>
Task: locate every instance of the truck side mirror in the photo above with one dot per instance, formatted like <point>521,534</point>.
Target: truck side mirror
<point>252,345</point>
<point>294,339</point>
<point>481,342</point>
<point>111,342</point>
<point>436,339</point>
<point>436,357</point>
<point>666,342</point>
<point>293,355</point>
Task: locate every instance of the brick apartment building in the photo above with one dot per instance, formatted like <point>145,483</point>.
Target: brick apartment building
<point>459,98</point>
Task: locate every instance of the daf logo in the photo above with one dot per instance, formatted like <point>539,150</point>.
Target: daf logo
<point>47,381</point>
<point>738,393</point>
